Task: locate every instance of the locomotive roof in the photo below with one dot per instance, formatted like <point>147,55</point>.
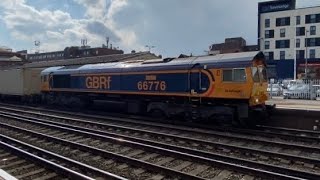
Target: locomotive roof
<point>232,60</point>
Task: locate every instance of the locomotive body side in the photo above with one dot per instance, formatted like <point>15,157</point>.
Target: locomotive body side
<point>196,87</point>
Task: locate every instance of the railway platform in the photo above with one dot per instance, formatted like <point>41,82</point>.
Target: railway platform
<point>295,113</point>
<point>6,176</point>
<point>295,103</point>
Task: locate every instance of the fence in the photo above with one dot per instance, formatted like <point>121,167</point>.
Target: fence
<point>295,89</point>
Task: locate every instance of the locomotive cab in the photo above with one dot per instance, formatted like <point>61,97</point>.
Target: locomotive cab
<point>44,83</point>
<point>260,83</point>
<point>259,94</point>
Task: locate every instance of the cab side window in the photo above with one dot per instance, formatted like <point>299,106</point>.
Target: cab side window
<point>44,78</point>
<point>234,75</point>
<point>239,75</point>
<point>227,75</point>
<point>255,74</point>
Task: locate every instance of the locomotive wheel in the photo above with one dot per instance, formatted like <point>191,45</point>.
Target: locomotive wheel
<point>247,123</point>
<point>158,114</point>
<point>254,118</point>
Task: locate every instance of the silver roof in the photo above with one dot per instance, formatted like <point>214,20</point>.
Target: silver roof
<point>220,58</point>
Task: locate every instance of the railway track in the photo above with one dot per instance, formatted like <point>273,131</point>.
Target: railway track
<point>298,166</point>
<point>291,132</point>
<point>126,153</point>
<point>136,121</point>
<point>268,131</point>
<point>24,161</point>
<point>21,164</point>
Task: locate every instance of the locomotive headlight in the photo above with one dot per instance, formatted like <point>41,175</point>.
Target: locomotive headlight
<point>257,100</point>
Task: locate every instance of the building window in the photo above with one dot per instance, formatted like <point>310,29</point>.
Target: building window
<point>283,32</point>
<point>300,54</point>
<point>269,55</point>
<point>266,55</point>
<point>313,30</point>
<point>267,45</point>
<point>300,31</point>
<point>282,44</point>
<point>282,55</point>
<point>267,23</point>
<point>312,18</point>
<point>285,21</point>
<point>269,34</point>
<point>312,53</point>
<point>312,42</point>
<point>297,43</point>
<point>298,20</point>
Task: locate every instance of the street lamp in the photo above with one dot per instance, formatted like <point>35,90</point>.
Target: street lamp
<point>306,59</point>
<point>261,43</point>
<point>149,47</point>
<point>295,58</point>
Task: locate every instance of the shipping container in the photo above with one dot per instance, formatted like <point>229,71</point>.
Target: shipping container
<point>20,82</point>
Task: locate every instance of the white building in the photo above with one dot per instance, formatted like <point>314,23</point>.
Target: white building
<point>288,35</point>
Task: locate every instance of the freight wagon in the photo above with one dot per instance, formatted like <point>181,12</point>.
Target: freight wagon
<point>22,83</point>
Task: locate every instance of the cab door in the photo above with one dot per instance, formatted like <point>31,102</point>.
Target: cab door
<point>44,83</point>
<point>46,80</point>
<point>194,80</point>
<point>195,84</point>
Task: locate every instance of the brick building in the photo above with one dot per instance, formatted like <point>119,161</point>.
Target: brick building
<point>9,58</point>
<point>232,45</point>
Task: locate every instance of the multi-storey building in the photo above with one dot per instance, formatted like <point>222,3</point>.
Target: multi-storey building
<point>290,38</point>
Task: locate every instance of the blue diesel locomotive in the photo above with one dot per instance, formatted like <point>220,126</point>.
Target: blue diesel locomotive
<point>204,87</point>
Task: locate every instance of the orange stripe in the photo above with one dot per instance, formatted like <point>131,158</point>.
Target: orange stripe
<point>210,92</point>
<point>122,92</point>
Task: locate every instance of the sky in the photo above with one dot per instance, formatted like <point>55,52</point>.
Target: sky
<point>173,27</point>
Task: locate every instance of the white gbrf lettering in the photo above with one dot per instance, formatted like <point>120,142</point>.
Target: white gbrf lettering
<point>98,82</point>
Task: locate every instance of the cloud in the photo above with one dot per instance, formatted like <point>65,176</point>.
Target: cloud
<point>187,26</point>
<point>100,29</point>
<point>94,8</point>
<point>174,27</point>
<point>181,26</point>
<point>56,28</point>
<point>103,12</point>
